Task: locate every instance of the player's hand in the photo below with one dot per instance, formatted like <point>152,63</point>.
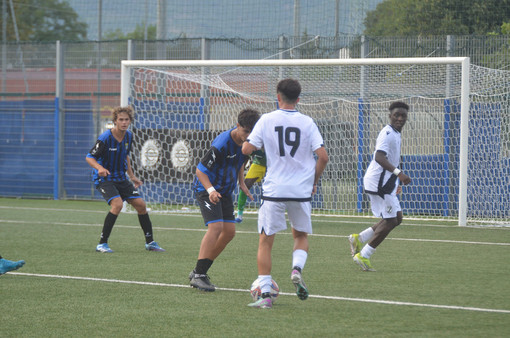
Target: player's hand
<point>245,189</point>
<point>399,190</point>
<point>136,182</point>
<point>214,197</point>
<point>103,172</point>
<point>404,178</point>
<point>250,196</point>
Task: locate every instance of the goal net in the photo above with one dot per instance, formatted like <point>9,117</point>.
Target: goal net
<point>455,145</point>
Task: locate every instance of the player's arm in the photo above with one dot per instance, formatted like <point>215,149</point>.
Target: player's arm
<point>242,183</point>
<point>380,158</point>
<point>211,159</point>
<point>214,196</point>
<point>131,174</point>
<point>320,165</point>
<point>96,152</point>
<point>248,148</point>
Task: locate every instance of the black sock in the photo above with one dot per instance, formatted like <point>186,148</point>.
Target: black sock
<point>109,221</point>
<point>297,268</point>
<point>145,223</point>
<point>203,266</point>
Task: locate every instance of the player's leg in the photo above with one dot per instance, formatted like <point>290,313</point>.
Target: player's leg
<point>300,218</point>
<point>227,234</point>
<point>228,231</point>
<point>356,241</point>
<point>198,277</point>
<point>113,198</point>
<point>264,264</point>
<point>214,220</point>
<point>130,194</point>
<point>389,209</point>
<point>208,246</point>
<point>383,228</point>
<point>264,260</point>
<point>299,257</point>
<point>270,221</point>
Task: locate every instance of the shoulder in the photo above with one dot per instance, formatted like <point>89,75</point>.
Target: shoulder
<point>387,130</point>
<point>223,138</point>
<point>271,115</point>
<point>105,135</point>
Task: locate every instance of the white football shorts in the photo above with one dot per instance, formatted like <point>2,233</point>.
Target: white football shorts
<point>272,216</point>
<point>386,207</point>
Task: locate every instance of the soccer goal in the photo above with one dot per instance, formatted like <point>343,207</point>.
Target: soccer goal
<point>455,146</point>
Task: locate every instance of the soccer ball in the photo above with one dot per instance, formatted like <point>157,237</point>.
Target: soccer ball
<point>256,292</point>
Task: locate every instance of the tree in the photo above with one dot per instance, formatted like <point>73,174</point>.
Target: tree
<point>505,28</point>
<point>437,17</point>
<point>137,34</point>
<point>44,20</point>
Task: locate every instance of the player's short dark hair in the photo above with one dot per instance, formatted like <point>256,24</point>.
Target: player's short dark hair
<point>398,104</point>
<point>117,110</point>
<point>289,90</point>
<point>247,118</point>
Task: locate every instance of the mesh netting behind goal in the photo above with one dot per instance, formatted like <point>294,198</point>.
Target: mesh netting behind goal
<point>179,110</point>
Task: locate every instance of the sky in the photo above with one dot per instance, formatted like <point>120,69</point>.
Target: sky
<point>226,18</point>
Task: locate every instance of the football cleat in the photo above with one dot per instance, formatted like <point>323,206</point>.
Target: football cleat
<point>363,262</point>
<point>355,244</point>
<point>202,283</point>
<point>297,280</point>
<point>191,274</point>
<point>262,303</point>
<point>153,246</point>
<point>239,217</point>
<point>6,265</point>
<point>104,248</point>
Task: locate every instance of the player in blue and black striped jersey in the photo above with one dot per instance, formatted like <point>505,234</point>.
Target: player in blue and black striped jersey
<point>110,161</point>
<point>217,176</point>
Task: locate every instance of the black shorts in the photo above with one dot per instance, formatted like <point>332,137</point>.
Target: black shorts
<point>123,189</point>
<point>223,211</point>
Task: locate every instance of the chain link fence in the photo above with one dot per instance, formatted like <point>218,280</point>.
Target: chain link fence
<point>37,118</point>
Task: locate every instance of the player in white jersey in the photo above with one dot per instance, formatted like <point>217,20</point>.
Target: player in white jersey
<point>381,183</point>
<point>290,140</point>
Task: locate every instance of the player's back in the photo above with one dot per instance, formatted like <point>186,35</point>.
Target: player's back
<point>289,139</point>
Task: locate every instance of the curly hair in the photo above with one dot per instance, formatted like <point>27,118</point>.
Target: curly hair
<point>117,110</point>
<point>398,104</point>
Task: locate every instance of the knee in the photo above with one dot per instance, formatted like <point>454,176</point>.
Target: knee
<point>139,205</point>
<point>388,225</point>
<point>116,206</point>
<point>230,234</point>
<point>399,218</point>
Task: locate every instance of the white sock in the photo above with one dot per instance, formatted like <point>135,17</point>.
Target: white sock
<point>265,283</point>
<point>366,235</point>
<point>299,258</point>
<point>367,251</point>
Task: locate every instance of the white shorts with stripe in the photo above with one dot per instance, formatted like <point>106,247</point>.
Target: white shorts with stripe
<point>272,216</point>
<point>386,207</point>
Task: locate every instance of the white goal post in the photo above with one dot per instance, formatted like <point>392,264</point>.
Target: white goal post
<point>180,106</point>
